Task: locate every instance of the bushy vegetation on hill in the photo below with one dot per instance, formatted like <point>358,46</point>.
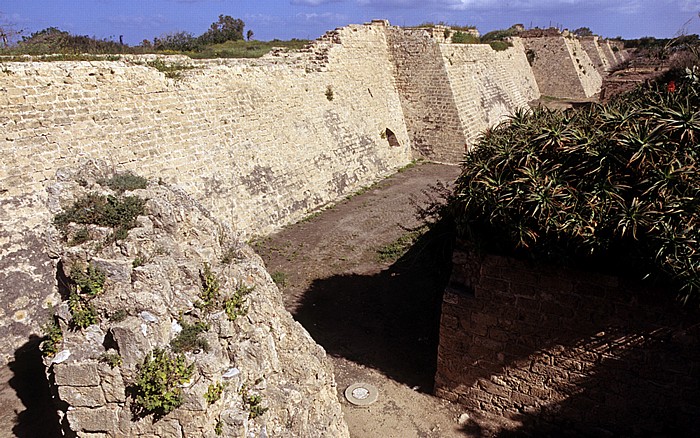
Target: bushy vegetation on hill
<point>615,185</point>
<point>223,39</point>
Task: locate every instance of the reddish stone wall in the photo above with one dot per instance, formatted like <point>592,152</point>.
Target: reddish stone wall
<point>558,350</point>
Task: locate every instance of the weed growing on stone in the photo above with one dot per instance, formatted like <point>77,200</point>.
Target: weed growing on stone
<point>117,212</point>
<point>53,336</point>
<point>80,236</point>
<point>112,359</point>
<point>82,312</point>
<point>121,182</point>
<point>253,402</point>
<point>157,389</point>
<point>189,338</point>
<point>209,293</point>
<point>329,93</point>
<point>214,392</point>
<point>235,306</point>
<point>231,254</point>
<point>170,70</point>
<point>90,282</point>
<point>219,427</point>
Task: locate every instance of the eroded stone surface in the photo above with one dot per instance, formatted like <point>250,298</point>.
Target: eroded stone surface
<point>276,359</point>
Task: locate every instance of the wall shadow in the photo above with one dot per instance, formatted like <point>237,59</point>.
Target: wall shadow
<point>554,353</point>
<point>39,419</point>
<point>388,321</point>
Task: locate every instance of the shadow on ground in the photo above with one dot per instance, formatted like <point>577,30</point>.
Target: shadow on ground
<point>387,321</point>
<point>39,418</point>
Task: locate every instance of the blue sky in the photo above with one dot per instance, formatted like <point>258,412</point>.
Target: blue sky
<point>284,19</point>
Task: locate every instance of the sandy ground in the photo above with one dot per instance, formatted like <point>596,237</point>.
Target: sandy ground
<point>378,321</point>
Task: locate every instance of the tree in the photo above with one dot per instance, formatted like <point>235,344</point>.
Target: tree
<point>177,41</point>
<point>249,34</point>
<point>225,29</point>
<point>583,32</point>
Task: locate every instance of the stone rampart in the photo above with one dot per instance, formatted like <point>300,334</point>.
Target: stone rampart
<point>562,67</point>
<point>262,143</point>
<point>488,85</point>
<point>427,99</point>
<point>567,351</point>
<point>595,52</point>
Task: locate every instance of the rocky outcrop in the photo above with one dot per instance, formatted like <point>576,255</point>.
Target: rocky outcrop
<point>254,370</point>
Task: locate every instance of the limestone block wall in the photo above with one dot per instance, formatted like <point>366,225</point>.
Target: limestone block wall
<point>593,48</point>
<point>426,95</point>
<point>488,85</point>
<point>566,351</point>
<point>264,137</point>
<point>562,67</point>
<point>261,143</point>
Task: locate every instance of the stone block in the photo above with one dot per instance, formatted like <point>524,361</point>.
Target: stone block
<point>82,396</point>
<point>93,420</point>
<point>76,374</point>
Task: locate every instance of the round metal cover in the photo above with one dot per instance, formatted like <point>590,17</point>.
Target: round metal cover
<point>361,394</point>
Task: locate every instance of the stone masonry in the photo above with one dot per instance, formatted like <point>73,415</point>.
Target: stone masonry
<point>565,350</point>
<point>561,66</point>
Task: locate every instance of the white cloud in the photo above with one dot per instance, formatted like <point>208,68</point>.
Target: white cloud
<point>325,17</point>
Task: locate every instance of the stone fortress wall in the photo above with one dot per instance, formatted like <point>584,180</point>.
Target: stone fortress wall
<point>260,143</point>
<point>488,85</point>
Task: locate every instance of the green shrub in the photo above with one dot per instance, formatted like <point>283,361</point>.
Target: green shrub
<point>118,212</point>
<point>253,402</point>
<point>118,315</point>
<point>53,336</point>
<point>157,388</point>
<point>90,282</point>
<point>280,278</point>
<point>464,38</point>
<point>82,312</point>
<point>235,306</point>
<point>613,186</point>
<point>172,70</point>
<point>500,46</point>
<point>121,182</point>
<point>112,359</point>
<point>189,338</point>
<point>214,392</point>
<point>209,294</point>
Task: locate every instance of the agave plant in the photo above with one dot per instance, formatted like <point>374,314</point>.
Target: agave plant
<point>615,182</point>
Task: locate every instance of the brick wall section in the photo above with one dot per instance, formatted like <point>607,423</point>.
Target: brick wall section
<point>488,86</point>
<point>427,99</point>
<point>562,350</point>
<point>562,67</point>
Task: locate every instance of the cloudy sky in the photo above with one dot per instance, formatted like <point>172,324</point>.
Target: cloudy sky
<point>284,19</point>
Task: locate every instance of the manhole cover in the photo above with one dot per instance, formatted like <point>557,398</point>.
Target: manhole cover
<point>361,394</point>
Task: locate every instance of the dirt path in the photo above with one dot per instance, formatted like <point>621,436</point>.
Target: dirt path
<point>377,320</point>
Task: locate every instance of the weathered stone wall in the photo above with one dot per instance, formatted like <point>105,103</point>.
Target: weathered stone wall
<point>595,52</point>
<point>563,350</point>
<point>154,280</point>
<point>562,67</point>
<point>257,141</point>
<point>488,85</point>
<point>427,98</point>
